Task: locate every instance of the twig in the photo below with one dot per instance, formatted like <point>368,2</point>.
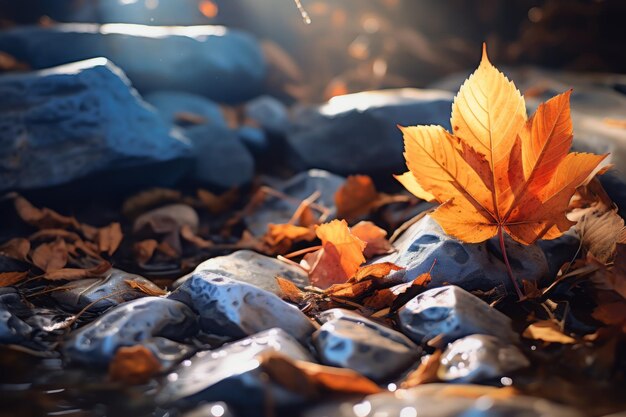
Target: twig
<point>508,265</point>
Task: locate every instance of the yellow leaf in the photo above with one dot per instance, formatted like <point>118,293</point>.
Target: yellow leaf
<point>547,331</point>
<point>498,170</point>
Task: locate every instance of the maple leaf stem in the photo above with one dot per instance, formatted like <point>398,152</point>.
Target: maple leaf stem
<point>508,265</point>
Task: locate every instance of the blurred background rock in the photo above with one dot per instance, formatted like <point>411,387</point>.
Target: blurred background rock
<point>378,43</point>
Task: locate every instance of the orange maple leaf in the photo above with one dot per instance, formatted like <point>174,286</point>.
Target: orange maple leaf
<point>340,256</point>
<point>498,171</point>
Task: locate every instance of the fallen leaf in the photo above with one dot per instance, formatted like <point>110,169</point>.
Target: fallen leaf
<point>425,373</point>
<point>144,250</point>
<point>350,247</point>
<point>189,118</point>
<point>109,238</point>
<point>313,380</point>
<point>53,234</point>
<point>71,274</point>
<point>600,229</point>
<point>497,171</point>
<point>16,248</point>
<point>133,365</point>
<point>148,290</point>
<point>547,331</point>
<point>42,218</point>
<point>167,250</point>
<point>50,256</point>
<point>11,278</point>
<point>145,200</point>
<point>374,236</point>
<point>289,291</point>
<point>356,197</point>
<point>410,183</point>
<point>279,233</point>
<point>378,270</point>
<point>217,204</point>
<point>530,289</point>
<point>349,290</point>
<point>188,234</point>
<point>613,314</point>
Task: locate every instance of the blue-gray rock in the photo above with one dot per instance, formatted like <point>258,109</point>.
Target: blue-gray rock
<point>269,113</point>
<point>231,374</point>
<point>150,12</point>
<point>477,358</point>
<point>173,105</point>
<point>435,400</point>
<point>218,409</point>
<point>471,266</point>
<point>358,134</point>
<point>236,309</point>
<point>222,160</point>
<point>222,64</point>
<point>349,340</point>
<point>130,324</point>
<point>449,313</point>
<point>106,292</point>
<point>297,188</point>
<point>13,330</point>
<point>252,268</point>
<point>168,352</point>
<point>255,139</point>
<point>61,124</point>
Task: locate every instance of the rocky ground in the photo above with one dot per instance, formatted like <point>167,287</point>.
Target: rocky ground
<point>139,268</point>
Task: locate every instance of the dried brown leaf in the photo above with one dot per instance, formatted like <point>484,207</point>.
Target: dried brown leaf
<point>50,256</point>
<point>134,365</point>
<point>188,234</point>
<point>313,380</point>
<point>71,274</point>
<point>11,278</point>
<point>109,238</point>
<point>42,218</point>
<point>374,236</point>
<point>547,331</point>
<point>217,204</point>
<point>379,270</point>
<point>356,197</point>
<point>289,291</point>
<point>16,248</point>
<point>148,290</point>
<point>425,373</point>
<point>144,250</point>
<point>145,200</point>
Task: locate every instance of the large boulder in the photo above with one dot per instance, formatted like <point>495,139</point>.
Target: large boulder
<point>358,134</point>
<point>222,64</point>
<point>64,123</point>
<point>186,110</point>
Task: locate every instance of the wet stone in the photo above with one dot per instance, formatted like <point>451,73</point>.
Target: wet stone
<point>235,309</point>
<point>13,330</point>
<point>449,313</point>
<point>269,113</point>
<point>132,323</point>
<point>425,247</point>
<point>222,159</point>
<point>46,116</point>
<point>217,409</point>
<point>252,268</point>
<point>433,400</point>
<point>231,374</point>
<point>327,136</point>
<point>297,188</point>
<point>101,293</point>
<point>225,65</point>
<point>479,357</point>
<point>186,110</point>
<point>349,340</point>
